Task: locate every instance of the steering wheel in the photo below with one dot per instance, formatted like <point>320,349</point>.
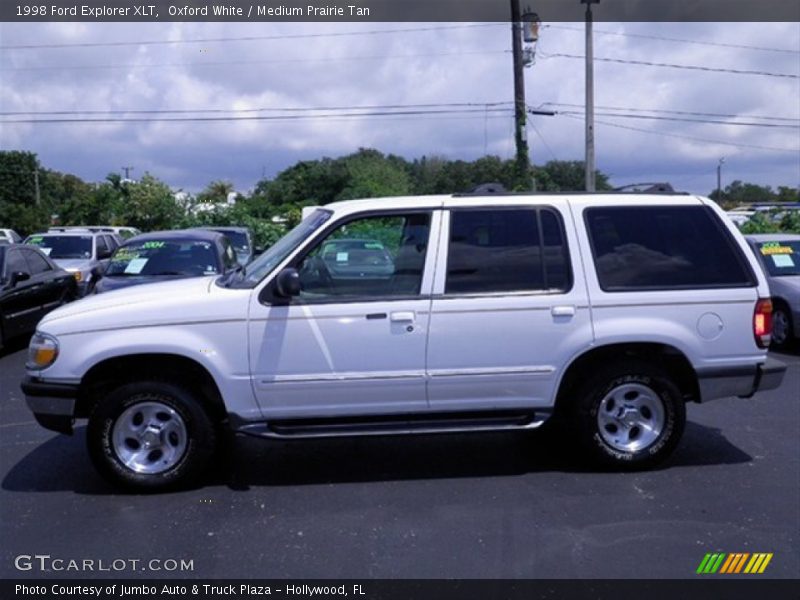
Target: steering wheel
<point>315,269</point>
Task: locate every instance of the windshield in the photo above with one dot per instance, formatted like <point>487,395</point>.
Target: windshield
<point>63,246</point>
<point>261,267</point>
<point>163,257</point>
<point>238,239</point>
<point>781,258</point>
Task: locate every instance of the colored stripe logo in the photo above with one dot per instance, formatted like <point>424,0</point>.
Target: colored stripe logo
<point>733,563</point>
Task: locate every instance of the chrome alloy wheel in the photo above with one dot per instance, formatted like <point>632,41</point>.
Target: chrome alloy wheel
<point>149,437</point>
<point>631,417</point>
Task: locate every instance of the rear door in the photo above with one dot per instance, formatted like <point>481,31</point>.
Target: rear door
<point>509,308</point>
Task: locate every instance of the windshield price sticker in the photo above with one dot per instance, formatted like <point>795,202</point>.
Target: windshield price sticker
<point>135,266</point>
<point>771,248</point>
<point>782,260</point>
<point>36,240</point>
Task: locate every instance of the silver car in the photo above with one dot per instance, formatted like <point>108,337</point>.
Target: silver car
<point>779,253</point>
<point>85,253</point>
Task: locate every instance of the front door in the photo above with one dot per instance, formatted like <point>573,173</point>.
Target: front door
<point>353,341</point>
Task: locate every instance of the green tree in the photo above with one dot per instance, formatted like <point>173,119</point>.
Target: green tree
<point>150,205</point>
<point>19,208</point>
<point>569,176</point>
<point>370,174</point>
<point>216,192</point>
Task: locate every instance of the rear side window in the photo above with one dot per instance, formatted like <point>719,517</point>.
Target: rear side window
<point>664,247</point>
<point>508,250</point>
<point>37,263</point>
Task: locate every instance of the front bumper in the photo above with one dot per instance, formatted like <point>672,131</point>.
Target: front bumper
<point>53,404</point>
<point>744,382</point>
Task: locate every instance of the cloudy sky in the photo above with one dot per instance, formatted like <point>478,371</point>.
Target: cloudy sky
<point>644,113</point>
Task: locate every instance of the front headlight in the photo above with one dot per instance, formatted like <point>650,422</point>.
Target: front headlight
<point>77,275</point>
<point>42,351</point>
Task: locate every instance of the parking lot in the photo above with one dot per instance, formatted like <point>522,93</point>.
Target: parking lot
<point>449,506</point>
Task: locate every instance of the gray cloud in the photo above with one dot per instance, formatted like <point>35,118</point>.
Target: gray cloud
<point>470,64</point>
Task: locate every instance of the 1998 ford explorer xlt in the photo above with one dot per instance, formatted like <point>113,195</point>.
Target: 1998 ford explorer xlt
<point>495,312</point>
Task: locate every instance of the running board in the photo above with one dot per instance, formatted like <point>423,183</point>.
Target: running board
<point>395,424</point>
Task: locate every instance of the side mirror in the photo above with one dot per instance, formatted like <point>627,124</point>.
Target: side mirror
<point>287,284</point>
<point>18,276</point>
<point>103,254</point>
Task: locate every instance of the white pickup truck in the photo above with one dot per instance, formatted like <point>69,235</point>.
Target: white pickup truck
<point>422,314</point>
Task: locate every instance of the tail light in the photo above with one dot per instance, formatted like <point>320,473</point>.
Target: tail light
<point>762,322</point>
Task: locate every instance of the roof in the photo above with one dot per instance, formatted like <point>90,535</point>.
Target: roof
<point>225,228</point>
<point>70,233</point>
<point>773,237</point>
<point>203,235</point>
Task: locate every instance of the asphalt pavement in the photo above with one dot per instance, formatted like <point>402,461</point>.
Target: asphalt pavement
<point>447,506</point>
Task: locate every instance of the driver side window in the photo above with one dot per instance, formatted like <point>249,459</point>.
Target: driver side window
<point>369,257</point>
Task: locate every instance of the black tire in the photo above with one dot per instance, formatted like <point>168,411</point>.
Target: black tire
<point>192,439</point>
<point>782,317</point>
<point>604,415</point>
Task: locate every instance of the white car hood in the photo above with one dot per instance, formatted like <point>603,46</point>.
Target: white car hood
<point>170,302</point>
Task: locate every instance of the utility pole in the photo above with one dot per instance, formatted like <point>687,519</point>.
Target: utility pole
<point>36,186</point>
<point>522,164</point>
<point>719,179</point>
<point>590,180</point>
<point>127,171</point>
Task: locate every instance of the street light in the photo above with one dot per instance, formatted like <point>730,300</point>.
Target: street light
<point>530,26</point>
<point>719,179</point>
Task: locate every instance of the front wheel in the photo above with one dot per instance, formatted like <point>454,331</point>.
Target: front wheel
<point>150,436</point>
<point>629,416</point>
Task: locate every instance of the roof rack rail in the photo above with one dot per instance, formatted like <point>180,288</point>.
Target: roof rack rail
<point>651,188</point>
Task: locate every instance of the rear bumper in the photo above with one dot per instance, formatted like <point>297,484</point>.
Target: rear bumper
<point>741,381</point>
<point>52,404</point>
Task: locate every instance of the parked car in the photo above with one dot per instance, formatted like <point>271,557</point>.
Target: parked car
<point>10,236</point>
<point>242,240</point>
<point>779,253</point>
<point>610,312</point>
<point>31,285</point>
<point>356,259</point>
<point>83,253</point>
<point>123,233</point>
<point>165,255</point>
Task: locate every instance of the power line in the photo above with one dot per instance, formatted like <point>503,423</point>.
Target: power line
<point>253,38</point>
<point>680,40</point>
<point>686,120</point>
<point>675,112</point>
<point>689,137</point>
<point>482,105</point>
<point>673,66</point>
<point>228,63</point>
<point>481,111</point>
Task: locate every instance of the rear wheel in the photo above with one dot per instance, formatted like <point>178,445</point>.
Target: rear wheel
<point>629,416</point>
<point>150,436</point>
<point>781,327</point>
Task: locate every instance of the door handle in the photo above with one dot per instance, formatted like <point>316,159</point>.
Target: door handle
<point>402,317</point>
<point>563,311</point>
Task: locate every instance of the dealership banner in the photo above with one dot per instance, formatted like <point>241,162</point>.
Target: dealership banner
<point>405,589</point>
<point>393,10</point>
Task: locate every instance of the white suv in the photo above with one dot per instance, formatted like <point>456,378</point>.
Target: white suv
<point>452,313</point>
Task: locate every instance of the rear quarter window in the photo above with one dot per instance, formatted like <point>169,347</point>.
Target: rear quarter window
<point>663,248</point>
